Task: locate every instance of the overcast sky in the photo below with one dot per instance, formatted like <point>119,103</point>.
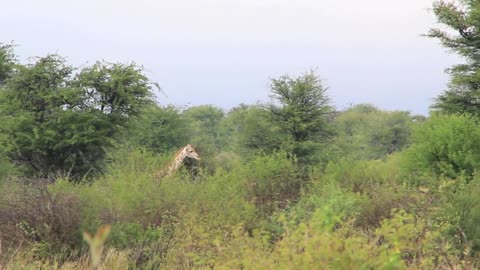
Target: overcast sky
<point>224,52</point>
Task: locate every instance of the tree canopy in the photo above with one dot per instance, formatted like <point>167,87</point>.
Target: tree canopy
<point>7,62</point>
<point>56,121</point>
<point>301,109</point>
<point>460,34</point>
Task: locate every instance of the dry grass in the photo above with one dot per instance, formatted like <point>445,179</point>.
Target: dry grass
<point>112,259</point>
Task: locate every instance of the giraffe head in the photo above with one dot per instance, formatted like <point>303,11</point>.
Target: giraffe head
<point>190,152</point>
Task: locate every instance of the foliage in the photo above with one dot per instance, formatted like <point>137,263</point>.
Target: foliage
<point>7,62</point>
<point>250,129</point>
<point>460,34</point>
<point>445,146</point>
<point>54,123</point>
<point>362,175</point>
<point>326,241</point>
<point>117,90</point>
<point>273,182</point>
<point>302,112</point>
<point>204,122</point>
<point>35,215</point>
<point>204,132</point>
<point>159,129</point>
<point>371,133</point>
<point>37,105</point>
<point>250,217</point>
<point>288,185</point>
<point>460,213</point>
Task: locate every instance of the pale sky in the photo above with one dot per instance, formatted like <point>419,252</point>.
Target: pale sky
<point>224,52</point>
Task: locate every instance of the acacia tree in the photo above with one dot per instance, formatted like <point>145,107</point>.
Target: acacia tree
<point>54,121</point>
<point>460,34</point>
<point>301,109</point>
<point>115,89</point>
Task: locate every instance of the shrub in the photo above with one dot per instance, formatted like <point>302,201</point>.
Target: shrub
<point>272,182</point>
<point>460,212</point>
<point>35,215</point>
<point>380,201</point>
<point>445,145</point>
<point>326,195</point>
<point>361,175</point>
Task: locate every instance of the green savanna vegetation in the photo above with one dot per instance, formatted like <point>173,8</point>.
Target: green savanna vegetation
<point>293,183</point>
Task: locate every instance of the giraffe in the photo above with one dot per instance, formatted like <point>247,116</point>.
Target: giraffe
<point>184,156</point>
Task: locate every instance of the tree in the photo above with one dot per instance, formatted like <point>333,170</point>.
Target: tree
<point>55,122</point>
<point>364,131</point>
<point>7,62</point>
<point>204,125</point>
<point>159,129</point>
<point>248,129</point>
<point>461,35</point>
<point>302,110</point>
<point>7,66</point>
<point>115,89</point>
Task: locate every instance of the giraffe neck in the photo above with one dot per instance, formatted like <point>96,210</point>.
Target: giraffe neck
<point>177,162</point>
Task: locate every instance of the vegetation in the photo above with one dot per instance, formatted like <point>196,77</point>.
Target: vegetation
<point>301,114</point>
<point>55,121</point>
<point>459,33</point>
<point>290,184</point>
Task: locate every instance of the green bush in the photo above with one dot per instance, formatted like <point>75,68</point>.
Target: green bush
<point>361,175</point>
<point>444,145</point>
<point>366,132</point>
<point>460,212</point>
<point>326,195</point>
<point>273,181</point>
